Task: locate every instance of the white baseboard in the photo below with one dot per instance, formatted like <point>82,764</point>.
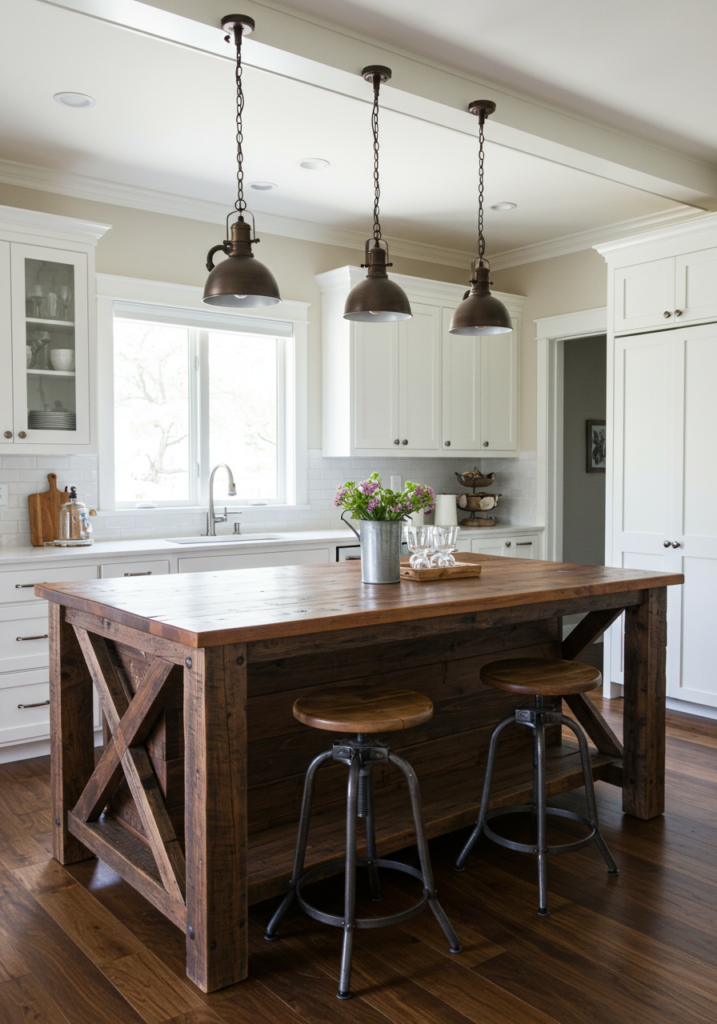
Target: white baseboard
<point>37,748</point>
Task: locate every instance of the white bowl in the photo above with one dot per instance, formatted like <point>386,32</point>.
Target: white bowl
<point>62,358</point>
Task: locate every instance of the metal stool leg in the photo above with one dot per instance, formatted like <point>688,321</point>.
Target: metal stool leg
<point>423,853</point>
<point>298,871</point>
<point>541,802</point>
<point>367,777</point>
<point>590,795</point>
<point>344,991</point>
<point>485,798</point>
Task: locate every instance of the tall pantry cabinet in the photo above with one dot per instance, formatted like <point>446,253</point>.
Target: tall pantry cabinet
<point>662,404</point>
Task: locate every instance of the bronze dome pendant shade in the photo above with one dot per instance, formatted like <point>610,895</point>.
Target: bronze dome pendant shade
<point>240,280</point>
<point>480,312</point>
<point>377,299</point>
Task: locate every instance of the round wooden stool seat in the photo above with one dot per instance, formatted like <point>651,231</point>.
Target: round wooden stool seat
<point>549,677</point>
<point>363,709</point>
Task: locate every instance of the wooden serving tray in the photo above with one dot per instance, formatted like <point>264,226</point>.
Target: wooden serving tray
<point>461,570</point>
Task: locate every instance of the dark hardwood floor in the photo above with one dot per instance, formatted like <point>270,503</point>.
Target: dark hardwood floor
<point>78,945</point>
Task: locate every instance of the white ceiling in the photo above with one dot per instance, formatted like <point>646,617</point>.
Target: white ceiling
<point>645,66</point>
<point>164,121</point>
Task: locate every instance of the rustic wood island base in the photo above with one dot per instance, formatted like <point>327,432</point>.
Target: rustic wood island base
<point>195,799</point>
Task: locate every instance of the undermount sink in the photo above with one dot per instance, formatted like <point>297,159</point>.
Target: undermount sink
<point>226,538</point>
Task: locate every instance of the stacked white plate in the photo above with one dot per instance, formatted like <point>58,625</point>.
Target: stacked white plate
<point>41,419</point>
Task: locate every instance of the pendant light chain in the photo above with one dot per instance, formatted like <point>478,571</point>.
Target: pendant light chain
<point>376,185</point>
<point>240,204</point>
<point>481,158</point>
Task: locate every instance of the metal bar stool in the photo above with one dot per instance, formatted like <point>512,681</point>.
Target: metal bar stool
<point>363,711</point>
<point>540,677</point>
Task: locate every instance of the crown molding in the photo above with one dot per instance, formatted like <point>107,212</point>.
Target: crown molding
<point>49,225</point>
<point>596,238</point>
<point>101,190</point>
<point>662,233</point>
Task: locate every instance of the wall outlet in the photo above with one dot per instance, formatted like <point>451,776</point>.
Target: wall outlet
<point>395,483</point>
<point>4,488</point>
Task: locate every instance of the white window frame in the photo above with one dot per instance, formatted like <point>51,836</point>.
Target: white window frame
<point>163,302</point>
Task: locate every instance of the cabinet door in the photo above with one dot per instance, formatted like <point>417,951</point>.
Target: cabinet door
<point>461,389</point>
<point>696,285</point>
<point>644,457</point>
<point>419,378</point>
<point>375,357</point>
<point>692,674</point>
<point>645,295</point>
<point>50,345</point>
<point>499,392</point>
<point>6,417</point>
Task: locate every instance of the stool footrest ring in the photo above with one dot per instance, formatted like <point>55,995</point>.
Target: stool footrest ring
<point>324,870</point>
<point>556,812</point>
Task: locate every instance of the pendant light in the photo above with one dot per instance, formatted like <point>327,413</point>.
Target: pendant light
<point>480,312</point>
<point>240,280</point>
<point>377,299</point>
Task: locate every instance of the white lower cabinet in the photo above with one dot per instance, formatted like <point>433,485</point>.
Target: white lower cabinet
<point>524,545</point>
<point>257,560</point>
<point>117,570</point>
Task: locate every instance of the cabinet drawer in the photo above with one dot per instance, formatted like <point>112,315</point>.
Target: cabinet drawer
<point>526,546</point>
<point>24,724</point>
<point>120,569</point>
<point>19,585</point>
<point>23,640</point>
<point>258,560</point>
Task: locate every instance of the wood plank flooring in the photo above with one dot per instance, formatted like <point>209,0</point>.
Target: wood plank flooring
<point>79,946</point>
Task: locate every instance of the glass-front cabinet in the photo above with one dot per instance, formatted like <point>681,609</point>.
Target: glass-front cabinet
<point>50,346</point>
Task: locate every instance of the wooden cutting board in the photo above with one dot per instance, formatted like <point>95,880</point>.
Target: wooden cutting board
<point>45,512</point>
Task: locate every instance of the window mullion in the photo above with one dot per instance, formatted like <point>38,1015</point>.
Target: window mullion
<point>203,416</point>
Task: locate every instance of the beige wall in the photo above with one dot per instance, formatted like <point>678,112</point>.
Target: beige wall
<point>564,284</point>
<point>162,248</point>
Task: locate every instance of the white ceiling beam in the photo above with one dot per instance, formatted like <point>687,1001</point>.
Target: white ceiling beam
<point>304,48</point>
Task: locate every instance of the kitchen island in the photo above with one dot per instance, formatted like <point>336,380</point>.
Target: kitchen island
<point>195,799</point>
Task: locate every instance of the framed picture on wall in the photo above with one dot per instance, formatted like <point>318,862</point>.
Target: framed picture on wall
<point>596,446</point>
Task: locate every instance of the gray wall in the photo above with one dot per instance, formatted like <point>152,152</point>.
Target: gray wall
<point>583,492</point>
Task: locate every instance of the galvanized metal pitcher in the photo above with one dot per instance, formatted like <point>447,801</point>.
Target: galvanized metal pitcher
<point>380,541</point>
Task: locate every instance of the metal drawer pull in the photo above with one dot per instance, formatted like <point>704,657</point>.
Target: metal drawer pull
<point>23,586</point>
<point>148,573</point>
<point>40,705</point>
<point>523,543</point>
<point>43,637</point>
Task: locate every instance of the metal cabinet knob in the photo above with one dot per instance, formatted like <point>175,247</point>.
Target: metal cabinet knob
<point>485,444</point>
<point>667,314</point>
<point>447,444</point>
<point>678,312</point>
<point>665,543</point>
<point>676,544</point>
<point>22,434</point>
<point>8,433</point>
<point>404,442</point>
<point>397,441</point>
<point>508,543</point>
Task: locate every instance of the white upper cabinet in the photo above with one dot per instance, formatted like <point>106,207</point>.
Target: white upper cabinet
<point>645,295</point>
<point>410,386</point>
<point>696,285</point>
<point>47,332</point>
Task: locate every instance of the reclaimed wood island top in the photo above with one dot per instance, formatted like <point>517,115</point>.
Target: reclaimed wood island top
<point>195,800</point>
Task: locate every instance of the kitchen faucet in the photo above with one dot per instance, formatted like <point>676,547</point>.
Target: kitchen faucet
<point>212,518</point>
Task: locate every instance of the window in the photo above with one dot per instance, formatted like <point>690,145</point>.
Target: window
<point>192,390</point>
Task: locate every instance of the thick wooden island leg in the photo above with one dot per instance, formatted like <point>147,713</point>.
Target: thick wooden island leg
<point>71,732</point>
<point>643,792</point>
<point>216,831</point>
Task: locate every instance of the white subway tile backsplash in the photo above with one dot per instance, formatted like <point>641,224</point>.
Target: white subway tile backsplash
<point>515,480</point>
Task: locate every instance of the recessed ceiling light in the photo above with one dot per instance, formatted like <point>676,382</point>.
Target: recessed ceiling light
<point>314,163</point>
<point>503,206</point>
<point>262,186</point>
<point>74,99</point>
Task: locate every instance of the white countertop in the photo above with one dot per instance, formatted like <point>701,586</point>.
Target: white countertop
<point>129,548</point>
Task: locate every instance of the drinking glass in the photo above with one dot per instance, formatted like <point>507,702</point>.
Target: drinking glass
<point>445,539</point>
<point>420,542</point>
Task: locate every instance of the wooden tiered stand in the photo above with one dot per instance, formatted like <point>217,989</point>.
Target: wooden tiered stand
<point>195,799</point>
